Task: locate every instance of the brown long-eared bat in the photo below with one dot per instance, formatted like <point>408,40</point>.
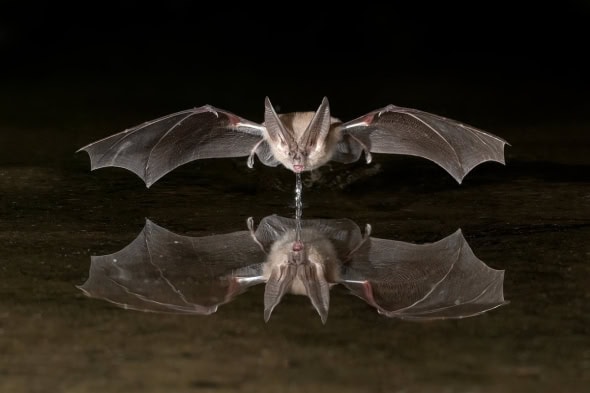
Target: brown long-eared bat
<point>300,141</point>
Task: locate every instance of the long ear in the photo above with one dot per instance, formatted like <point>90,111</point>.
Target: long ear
<point>279,281</point>
<point>317,288</point>
<point>319,126</point>
<point>277,131</point>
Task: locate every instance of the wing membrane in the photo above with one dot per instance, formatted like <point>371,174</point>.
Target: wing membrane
<point>454,146</point>
<point>430,281</point>
<point>161,271</point>
<point>155,148</point>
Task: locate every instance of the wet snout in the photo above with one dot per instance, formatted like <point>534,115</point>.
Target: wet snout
<point>298,163</point>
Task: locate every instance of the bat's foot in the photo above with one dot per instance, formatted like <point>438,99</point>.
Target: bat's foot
<point>250,224</point>
<point>252,152</point>
<point>366,237</point>
<point>365,148</point>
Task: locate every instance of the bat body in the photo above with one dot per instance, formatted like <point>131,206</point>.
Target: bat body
<point>164,272</point>
<point>300,141</point>
<point>302,265</point>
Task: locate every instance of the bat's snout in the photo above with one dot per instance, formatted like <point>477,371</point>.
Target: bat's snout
<point>298,168</point>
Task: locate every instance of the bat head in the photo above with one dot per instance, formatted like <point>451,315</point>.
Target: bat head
<point>296,273</point>
<point>299,143</point>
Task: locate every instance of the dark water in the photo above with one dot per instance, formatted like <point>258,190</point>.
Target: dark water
<point>530,218</point>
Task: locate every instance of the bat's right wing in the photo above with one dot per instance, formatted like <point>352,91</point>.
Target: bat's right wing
<point>423,282</point>
<point>161,271</point>
<point>455,146</point>
<point>156,147</point>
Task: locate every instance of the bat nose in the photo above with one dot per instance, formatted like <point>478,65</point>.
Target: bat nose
<point>298,168</point>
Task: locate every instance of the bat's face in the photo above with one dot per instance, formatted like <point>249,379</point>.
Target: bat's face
<point>299,140</point>
<point>294,267</point>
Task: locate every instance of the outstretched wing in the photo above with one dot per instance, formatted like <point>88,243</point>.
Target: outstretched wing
<point>161,271</point>
<point>156,147</point>
<point>455,146</point>
<point>430,281</point>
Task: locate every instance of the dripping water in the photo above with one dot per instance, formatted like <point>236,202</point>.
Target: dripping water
<point>298,206</point>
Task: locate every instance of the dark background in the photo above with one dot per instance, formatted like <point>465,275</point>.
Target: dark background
<point>73,73</point>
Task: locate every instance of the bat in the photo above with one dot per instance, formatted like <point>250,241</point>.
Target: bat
<point>164,272</point>
<point>300,141</point>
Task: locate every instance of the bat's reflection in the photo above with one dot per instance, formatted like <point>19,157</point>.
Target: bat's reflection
<point>161,271</point>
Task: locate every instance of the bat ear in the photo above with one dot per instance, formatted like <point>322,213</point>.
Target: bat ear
<point>277,131</point>
<point>318,126</point>
<point>318,289</point>
<point>281,278</point>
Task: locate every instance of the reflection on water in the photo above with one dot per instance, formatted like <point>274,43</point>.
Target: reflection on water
<point>161,271</point>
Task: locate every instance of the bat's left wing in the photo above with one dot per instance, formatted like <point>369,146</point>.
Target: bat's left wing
<point>156,147</point>
<point>423,282</point>
<point>455,146</point>
<point>161,271</point>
